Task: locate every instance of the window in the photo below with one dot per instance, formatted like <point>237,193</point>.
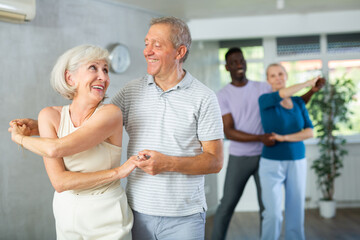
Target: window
<point>349,69</point>
<point>344,51</point>
<point>302,58</point>
<point>302,70</point>
<point>342,43</point>
<point>287,46</point>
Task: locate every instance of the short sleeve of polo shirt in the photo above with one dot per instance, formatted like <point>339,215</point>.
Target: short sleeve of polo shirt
<point>210,125</point>
<point>118,99</point>
<point>223,102</point>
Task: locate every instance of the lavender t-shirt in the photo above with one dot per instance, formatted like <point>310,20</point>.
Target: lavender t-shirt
<point>242,103</point>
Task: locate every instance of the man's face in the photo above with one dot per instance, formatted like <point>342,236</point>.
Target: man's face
<point>236,65</point>
<point>159,51</point>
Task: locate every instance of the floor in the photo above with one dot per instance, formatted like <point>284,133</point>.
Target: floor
<point>344,226</point>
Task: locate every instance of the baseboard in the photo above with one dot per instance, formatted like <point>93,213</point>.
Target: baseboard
<point>339,204</point>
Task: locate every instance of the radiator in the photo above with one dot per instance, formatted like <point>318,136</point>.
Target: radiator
<point>347,185</point>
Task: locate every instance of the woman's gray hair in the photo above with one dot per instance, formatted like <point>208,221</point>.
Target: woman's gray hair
<point>70,61</point>
<point>180,33</point>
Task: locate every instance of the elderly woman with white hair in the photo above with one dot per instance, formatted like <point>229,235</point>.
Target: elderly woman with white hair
<point>284,164</point>
<point>84,168</point>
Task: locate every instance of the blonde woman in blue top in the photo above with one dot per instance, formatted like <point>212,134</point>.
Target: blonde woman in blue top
<point>284,164</point>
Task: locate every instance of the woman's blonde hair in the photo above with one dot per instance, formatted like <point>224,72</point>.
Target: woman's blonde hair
<point>275,65</point>
<point>70,61</point>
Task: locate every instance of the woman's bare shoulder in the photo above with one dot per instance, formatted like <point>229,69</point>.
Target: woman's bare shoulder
<point>51,111</point>
<point>112,109</point>
<point>50,114</point>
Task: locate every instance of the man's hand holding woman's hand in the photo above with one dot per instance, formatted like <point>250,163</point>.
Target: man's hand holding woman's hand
<point>152,162</point>
<point>278,137</point>
<point>267,139</point>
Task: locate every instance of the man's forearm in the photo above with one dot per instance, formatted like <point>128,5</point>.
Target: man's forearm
<point>209,161</point>
<point>241,136</point>
<point>204,163</point>
<point>307,96</point>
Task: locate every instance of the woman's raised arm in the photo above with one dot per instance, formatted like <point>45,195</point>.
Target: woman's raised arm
<point>105,124</point>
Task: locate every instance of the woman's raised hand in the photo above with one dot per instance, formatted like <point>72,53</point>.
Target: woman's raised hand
<point>316,83</point>
<point>18,132</point>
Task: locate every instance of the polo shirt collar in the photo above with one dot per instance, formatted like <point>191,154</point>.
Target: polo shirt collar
<point>184,83</point>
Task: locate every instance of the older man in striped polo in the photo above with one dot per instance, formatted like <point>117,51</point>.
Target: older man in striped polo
<point>175,126</point>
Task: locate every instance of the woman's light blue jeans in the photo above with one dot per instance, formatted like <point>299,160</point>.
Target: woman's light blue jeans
<point>274,174</point>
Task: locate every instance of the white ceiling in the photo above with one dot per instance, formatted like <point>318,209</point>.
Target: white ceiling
<point>199,9</point>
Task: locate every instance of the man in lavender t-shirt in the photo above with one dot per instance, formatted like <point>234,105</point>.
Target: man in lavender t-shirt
<point>242,126</point>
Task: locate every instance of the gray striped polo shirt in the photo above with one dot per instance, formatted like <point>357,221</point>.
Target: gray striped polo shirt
<point>173,123</point>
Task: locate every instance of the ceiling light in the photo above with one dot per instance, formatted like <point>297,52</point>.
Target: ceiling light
<point>280,4</point>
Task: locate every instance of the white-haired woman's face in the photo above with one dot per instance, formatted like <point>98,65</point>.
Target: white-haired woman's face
<point>91,80</point>
<point>276,77</point>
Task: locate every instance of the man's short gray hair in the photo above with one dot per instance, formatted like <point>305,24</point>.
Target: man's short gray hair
<point>180,33</point>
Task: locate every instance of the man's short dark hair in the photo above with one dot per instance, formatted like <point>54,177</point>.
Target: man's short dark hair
<point>231,51</point>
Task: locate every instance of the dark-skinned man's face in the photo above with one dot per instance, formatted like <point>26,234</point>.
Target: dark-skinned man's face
<point>236,65</point>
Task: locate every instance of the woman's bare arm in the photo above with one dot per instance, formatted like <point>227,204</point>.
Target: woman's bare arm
<point>106,123</point>
<point>294,137</point>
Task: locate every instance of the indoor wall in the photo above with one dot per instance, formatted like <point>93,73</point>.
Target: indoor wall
<point>28,52</point>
